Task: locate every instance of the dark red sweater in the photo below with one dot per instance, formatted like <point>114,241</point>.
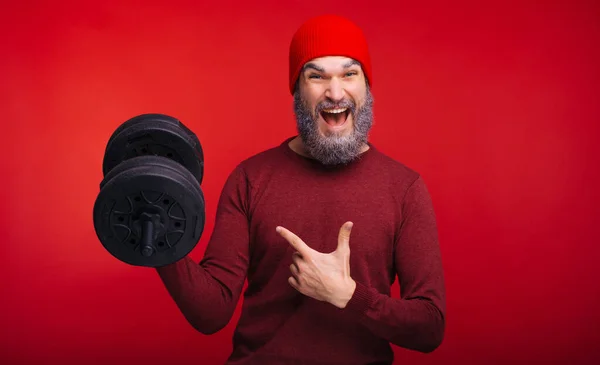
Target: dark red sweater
<point>394,233</point>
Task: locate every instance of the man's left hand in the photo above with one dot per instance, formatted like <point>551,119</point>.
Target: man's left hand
<point>324,277</point>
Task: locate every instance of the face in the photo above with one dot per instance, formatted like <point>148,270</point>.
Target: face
<point>333,107</point>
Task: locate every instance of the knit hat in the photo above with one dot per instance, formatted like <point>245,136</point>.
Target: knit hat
<point>327,35</point>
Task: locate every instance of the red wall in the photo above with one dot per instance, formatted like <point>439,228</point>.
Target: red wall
<point>495,103</point>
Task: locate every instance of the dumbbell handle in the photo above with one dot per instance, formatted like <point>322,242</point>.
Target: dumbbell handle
<point>147,238</point>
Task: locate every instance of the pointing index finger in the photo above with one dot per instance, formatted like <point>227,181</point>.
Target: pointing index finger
<point>294,241</point>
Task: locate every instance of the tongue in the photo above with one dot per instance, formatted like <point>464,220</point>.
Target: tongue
<point>334,119</point>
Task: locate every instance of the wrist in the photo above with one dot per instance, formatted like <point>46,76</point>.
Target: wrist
<point>345,295</point>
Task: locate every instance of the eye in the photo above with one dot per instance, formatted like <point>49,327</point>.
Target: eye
<point>314,76</point>
<point>351,73</point>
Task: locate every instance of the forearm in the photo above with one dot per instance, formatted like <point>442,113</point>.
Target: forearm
<point>412,323</point>
<point>207,293</point>
<point>205,302</point>
<point>417,320</point>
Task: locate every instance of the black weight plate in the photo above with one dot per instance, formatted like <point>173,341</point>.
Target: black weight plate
<point>186,177</point>
<point>158,135</point>
<point>119,194</point>
<point>183,175</point>
<point>157,187</point>
<point>154,161</point>
<point>155,134</point>
<point>163,118</point>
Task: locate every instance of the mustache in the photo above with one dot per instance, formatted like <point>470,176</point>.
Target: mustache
<point>327,104</point>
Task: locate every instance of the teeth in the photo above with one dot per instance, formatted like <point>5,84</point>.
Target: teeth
<point>335,111</point>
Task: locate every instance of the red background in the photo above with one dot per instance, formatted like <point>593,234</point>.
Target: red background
<point>494,103</point>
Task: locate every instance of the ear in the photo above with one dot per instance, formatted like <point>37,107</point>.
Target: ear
<point>297,84</point>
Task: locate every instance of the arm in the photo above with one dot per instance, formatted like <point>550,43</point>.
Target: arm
<point>207,293</point>
<point>417,320</point>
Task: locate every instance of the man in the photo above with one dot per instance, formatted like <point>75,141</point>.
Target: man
<point>320,226</point>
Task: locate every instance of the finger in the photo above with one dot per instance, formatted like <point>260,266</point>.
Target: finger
<point>294,283</point>
<point>298,262</point>
<point>344,237</point>
<point>295,241</point>
<point>295,271</point>
<point>297,258</point>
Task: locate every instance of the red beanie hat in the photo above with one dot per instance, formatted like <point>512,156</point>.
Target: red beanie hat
<point>328,35</point>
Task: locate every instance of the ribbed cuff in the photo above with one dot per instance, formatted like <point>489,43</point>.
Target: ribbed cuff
<point>171,271</point>
<point>361,300</point>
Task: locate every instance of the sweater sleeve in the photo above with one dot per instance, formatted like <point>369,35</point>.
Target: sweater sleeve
<point>207,292</point>
<point>416,321</point>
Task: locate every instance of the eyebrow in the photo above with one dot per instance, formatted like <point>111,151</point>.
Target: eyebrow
<point>311,65</point>
<point>351,63</point>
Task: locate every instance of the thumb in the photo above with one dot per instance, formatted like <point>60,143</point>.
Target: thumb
<point>344,237</point>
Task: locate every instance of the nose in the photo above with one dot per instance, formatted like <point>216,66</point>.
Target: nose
<point>335,90</point>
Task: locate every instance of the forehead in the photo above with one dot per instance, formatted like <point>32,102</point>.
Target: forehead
<point>332,63</point>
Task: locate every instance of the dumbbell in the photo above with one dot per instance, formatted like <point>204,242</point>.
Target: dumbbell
<point>150,210</point>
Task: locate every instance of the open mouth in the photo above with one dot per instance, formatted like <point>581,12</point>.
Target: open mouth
<point>335,117</point>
